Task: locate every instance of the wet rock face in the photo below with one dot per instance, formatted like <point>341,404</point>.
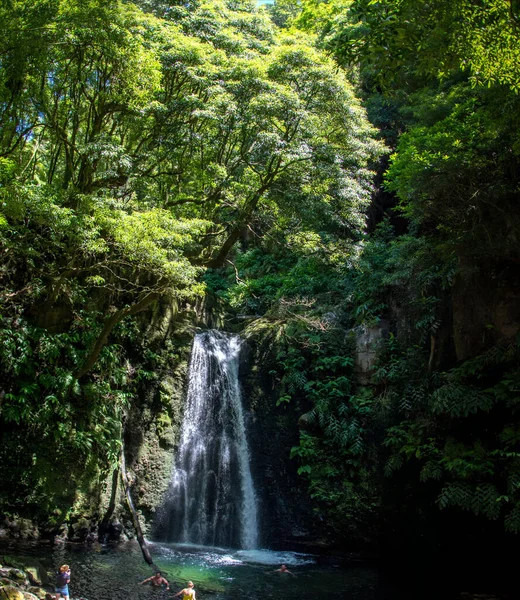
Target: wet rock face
<point>286,519</point>
<point>83,530</point>
<point>19,528</point>
<point>486,308</point>
<point>111,532</point>
<point>368,340</point>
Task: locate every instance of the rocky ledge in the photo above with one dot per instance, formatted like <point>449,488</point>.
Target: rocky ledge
<point>24,579</point>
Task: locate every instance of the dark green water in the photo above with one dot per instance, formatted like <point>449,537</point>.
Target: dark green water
<point>105,573</point>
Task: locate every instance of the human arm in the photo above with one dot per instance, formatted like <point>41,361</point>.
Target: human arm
<point>145,581</point>
<point>178,593</point>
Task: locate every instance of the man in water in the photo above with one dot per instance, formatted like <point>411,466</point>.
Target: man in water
<point>283,569</point>
<point>188,593</point>
<point>157,580</point>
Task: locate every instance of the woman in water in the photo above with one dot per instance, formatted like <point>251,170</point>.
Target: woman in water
<point>188,593</point>
<point>62,582</point>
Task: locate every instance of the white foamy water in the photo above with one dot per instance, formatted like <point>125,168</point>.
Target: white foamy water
<point>212,498</point>
<point>272,557</point>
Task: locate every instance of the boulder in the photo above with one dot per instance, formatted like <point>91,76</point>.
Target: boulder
<point>17,574</point>
<point>29,596</point>
<point>115,530</point>
<point>80,530</point>
<point>9,592</point>
<point>33,568</point>
<point>37,591</point>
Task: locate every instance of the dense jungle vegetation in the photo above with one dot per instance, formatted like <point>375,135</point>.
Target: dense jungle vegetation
<point>322,168</point>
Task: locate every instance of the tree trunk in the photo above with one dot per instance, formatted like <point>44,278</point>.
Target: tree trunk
<point>135,519</point>
<point>221,256</point>
<point>109,324</point>
<point>103,526</point>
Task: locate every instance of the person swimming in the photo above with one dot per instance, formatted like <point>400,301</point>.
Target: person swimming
<point>283,569</point>
<point>157,580</point>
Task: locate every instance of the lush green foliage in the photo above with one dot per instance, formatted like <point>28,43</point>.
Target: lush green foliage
<point>138,142</point>
<point>152,151</point>
<point>441,81</point>
<point>408,38</point>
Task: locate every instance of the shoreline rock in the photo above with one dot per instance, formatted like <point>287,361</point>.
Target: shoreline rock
<point>22,578</point>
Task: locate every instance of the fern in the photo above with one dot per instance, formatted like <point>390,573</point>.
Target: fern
<point>482,499</point>
<point>512,520</point>
<point>459,400</point>
<point>358,446</point>
<point>456,494</point>
<point>394,463</point>
<point>485,501</point>
<point>431,470</point>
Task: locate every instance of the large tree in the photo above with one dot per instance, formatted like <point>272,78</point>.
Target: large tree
<point>136,148</point>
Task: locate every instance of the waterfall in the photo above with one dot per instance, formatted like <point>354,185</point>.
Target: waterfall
<point>211,500</point>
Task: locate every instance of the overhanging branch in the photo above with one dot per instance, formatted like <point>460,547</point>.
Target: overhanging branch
<point>109,325</point>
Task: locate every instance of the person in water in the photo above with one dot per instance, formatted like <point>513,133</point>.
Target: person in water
<point>62,582</point>
<point>284,569</point>
<point>157,580</point>
<point>188,593</point>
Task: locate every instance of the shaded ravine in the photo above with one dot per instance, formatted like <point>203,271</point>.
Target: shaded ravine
<point>211,499</point>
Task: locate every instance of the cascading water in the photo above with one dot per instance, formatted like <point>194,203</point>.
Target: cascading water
<point>211,500</point>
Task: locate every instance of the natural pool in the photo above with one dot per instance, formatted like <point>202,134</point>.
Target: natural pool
<point>113,573</point>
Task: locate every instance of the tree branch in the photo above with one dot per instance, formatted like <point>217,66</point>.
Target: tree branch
<point>109,325</point>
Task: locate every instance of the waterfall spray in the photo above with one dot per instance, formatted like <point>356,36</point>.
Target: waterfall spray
<point>212,498</point>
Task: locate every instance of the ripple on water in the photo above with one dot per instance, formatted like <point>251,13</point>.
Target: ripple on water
<point>271,557</point>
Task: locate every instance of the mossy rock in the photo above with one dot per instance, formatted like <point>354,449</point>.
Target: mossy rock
<point>33,568</point>
<point>29,596</point>
<point>9,592</point>
<point>37,591</point>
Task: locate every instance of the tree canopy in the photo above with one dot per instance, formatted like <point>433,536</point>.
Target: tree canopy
<point>138,143</point>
